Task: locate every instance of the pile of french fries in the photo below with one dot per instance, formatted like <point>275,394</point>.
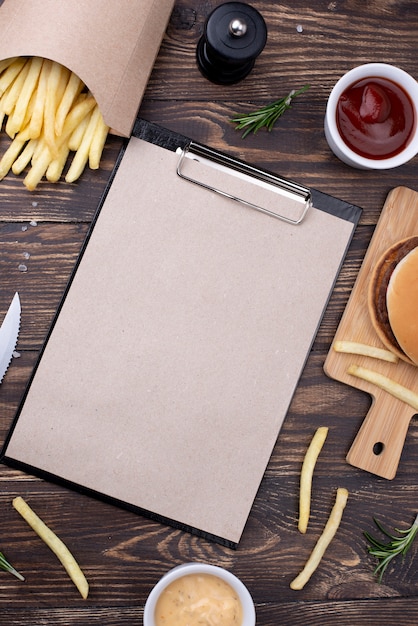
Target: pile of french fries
<point>48,113</point>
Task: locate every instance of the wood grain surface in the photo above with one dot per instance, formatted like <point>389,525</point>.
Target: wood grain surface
<point>122,554</point>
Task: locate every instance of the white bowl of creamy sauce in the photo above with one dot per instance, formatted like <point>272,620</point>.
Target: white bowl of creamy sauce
<point>198,594</point>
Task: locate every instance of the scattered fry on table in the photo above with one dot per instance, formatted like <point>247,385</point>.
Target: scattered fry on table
<point>54,543</point>
<point>306,475</point>
<point>324,540</point>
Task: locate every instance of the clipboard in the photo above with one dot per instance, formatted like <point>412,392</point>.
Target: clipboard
<point>175,353</point>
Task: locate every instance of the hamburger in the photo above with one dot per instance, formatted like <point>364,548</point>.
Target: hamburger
<point>393,299</point>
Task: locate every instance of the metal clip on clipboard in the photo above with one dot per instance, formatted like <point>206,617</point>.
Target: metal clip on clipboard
<point>201,165</point>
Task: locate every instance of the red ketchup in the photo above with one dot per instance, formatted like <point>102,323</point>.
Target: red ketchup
<point>375,118</point>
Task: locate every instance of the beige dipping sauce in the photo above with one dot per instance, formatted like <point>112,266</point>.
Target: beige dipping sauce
<point>198,600</point>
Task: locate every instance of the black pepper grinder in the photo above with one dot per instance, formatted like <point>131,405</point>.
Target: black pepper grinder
<point>234,35</point>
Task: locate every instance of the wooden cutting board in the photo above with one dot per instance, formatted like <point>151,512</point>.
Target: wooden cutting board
<point>378,445</point>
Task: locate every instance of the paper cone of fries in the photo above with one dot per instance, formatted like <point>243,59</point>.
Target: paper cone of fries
<point>110,45</point>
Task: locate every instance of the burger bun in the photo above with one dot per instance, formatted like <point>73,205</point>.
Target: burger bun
<point>393,299</point>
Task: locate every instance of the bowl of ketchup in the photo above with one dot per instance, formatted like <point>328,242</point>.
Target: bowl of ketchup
<point>371,120</point>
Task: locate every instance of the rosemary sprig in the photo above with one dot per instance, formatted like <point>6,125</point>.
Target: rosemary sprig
<point>385,552</point>
<point>266,116</point>
<point>5,565</point>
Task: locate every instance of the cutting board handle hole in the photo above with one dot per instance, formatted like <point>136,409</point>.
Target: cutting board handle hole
<point>378,448</point>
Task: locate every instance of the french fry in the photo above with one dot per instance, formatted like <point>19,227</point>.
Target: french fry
<point>82,107</point>
<point>8,127</point>
<point>55,168</point>
<point>13,93</point>
<point>362,349</point>
<point>4,63</point>
<point>25,156</point>
<point>77,117</point>
<point>28,114</point>
<point>98,142</point>
<point>324,540</point>
<point>28,87</point>
<point>55,544</point>
<point>2,116</point>
<point>54,90</point>
<point>81,156</point>
<point>37,119</point>
<point>29,111</point>
<point>23,135</point>
<point>3,98</point>
<point>10,156</point>
<point>387,384</point>
<point>38,169</point>
<point>72,90</point>
<point>7,78</point>
<point>306,475</point>
<point>76,137</point>
<point>40,145</point>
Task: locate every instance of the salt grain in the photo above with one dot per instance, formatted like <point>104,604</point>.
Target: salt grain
<point>299,28</point>
<point>34,223</point>
<point>26,255</point>
<point>22,268</point>
<point>16,354</point>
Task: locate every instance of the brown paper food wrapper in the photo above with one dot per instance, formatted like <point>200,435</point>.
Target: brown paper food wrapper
<point>111,45</point>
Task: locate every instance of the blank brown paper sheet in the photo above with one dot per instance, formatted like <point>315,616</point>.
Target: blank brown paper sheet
<point>172,363</point>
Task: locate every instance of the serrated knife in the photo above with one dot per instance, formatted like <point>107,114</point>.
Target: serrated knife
<point>9,332</point>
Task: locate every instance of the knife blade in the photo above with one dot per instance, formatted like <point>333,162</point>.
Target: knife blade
<point>9,332</point>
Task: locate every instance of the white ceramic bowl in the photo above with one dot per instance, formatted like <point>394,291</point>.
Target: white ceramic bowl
<point>334,139</point>
<point>200,568</point>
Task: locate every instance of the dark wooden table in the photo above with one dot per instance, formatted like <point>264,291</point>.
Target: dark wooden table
<point>124,554</point>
